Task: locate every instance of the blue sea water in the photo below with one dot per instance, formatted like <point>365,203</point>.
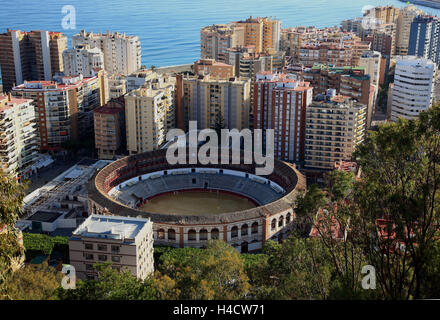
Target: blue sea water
<point>169,30</point>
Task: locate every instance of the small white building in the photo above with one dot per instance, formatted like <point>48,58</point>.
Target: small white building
<point>127,243</point>
<point>413,87</point>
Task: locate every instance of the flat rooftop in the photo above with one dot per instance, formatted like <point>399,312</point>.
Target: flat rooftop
<point>44,216</point>
<point>110,227</point>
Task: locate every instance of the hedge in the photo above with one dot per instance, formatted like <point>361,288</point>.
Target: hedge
<point>36,244</point>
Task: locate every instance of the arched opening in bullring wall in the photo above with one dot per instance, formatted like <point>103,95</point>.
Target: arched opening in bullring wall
<point>215,234</point>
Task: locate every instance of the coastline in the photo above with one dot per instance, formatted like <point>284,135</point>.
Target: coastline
<point>425,3</point>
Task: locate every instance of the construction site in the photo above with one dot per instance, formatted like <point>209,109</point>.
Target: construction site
<point>61,204</point>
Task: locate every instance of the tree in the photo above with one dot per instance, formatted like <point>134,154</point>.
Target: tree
<point>296,269</point>
<point>306,206</point>
<point>11,248</point>
<point>217,272</point>
<point>32,283</point>
<point>219,123</point>
<point>110,285</point>
<point>401,186</point>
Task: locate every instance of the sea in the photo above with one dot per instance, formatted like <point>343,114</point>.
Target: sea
<point>169,30</point>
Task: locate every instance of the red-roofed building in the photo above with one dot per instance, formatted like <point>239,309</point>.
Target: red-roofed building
<point>64,108</point>
<point>327,225</point>
<point>214,69</point>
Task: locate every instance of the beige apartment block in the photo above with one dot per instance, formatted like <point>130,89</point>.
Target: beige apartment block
<point>203,97</point>
<point>261,33</point>
<point>335,125</point>
<point>82,59</point>
<point>122,53</point>
<point>127,243</point>
<point>403,28</point>
<point>149,114</point>
<point>386,14</point>
<point>216,39</point>
<point>117,86</point>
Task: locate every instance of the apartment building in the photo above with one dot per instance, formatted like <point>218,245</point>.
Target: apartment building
<point>424,38</point>
<point>109,125</point>
<point>64,109</point>
<point>355,25</point>
<point>386,14</point>
<point>327,54</point>
<point>139,78</point>
<point>247,62</point>
<point>117,86</point>
<point>149,114</point>
<point>403,28</point>
<point>412,92</point>
<point>216,39</point>
<point>372,62</point>
<point>127,243</point>
<point>213,68</point>
<point>280,103</point>
<point>358,47</point>
<point>82,59</point>
<point>383,40</point>
<point>122,53</point>
<point>18,136</point>
<point>348,81</point>
<point>34,55</point>
<point>335,125</point>
<point>201,98</point>
<point>261,33</point>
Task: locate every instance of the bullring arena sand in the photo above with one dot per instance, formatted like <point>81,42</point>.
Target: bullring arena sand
<point>197,203</point>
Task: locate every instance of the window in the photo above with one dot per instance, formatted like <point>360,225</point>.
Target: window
<point>88,246</point>
<point>215,234</point>
<point>203,234</point>
<point>192,235</point>
<point>89,256</point>
<point>234,232</point>
<point>102,247</point>
<point>102,257</point>
<point>115,248</point>
<point>273,224</point>
<point>171,234</point>
<point>89,267</point>
<point>281,221</point>
<point>244,230</point>
<point>161,234</point>
<point>254,227</point>
<point>116,259</point>
<point>90,277</point>
<point>288,218</point>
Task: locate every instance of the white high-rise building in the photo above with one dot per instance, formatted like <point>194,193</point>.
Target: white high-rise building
<point>122,53</point>
<point>413,84</point>
<point>18,136</point>
<point>82,60</point>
